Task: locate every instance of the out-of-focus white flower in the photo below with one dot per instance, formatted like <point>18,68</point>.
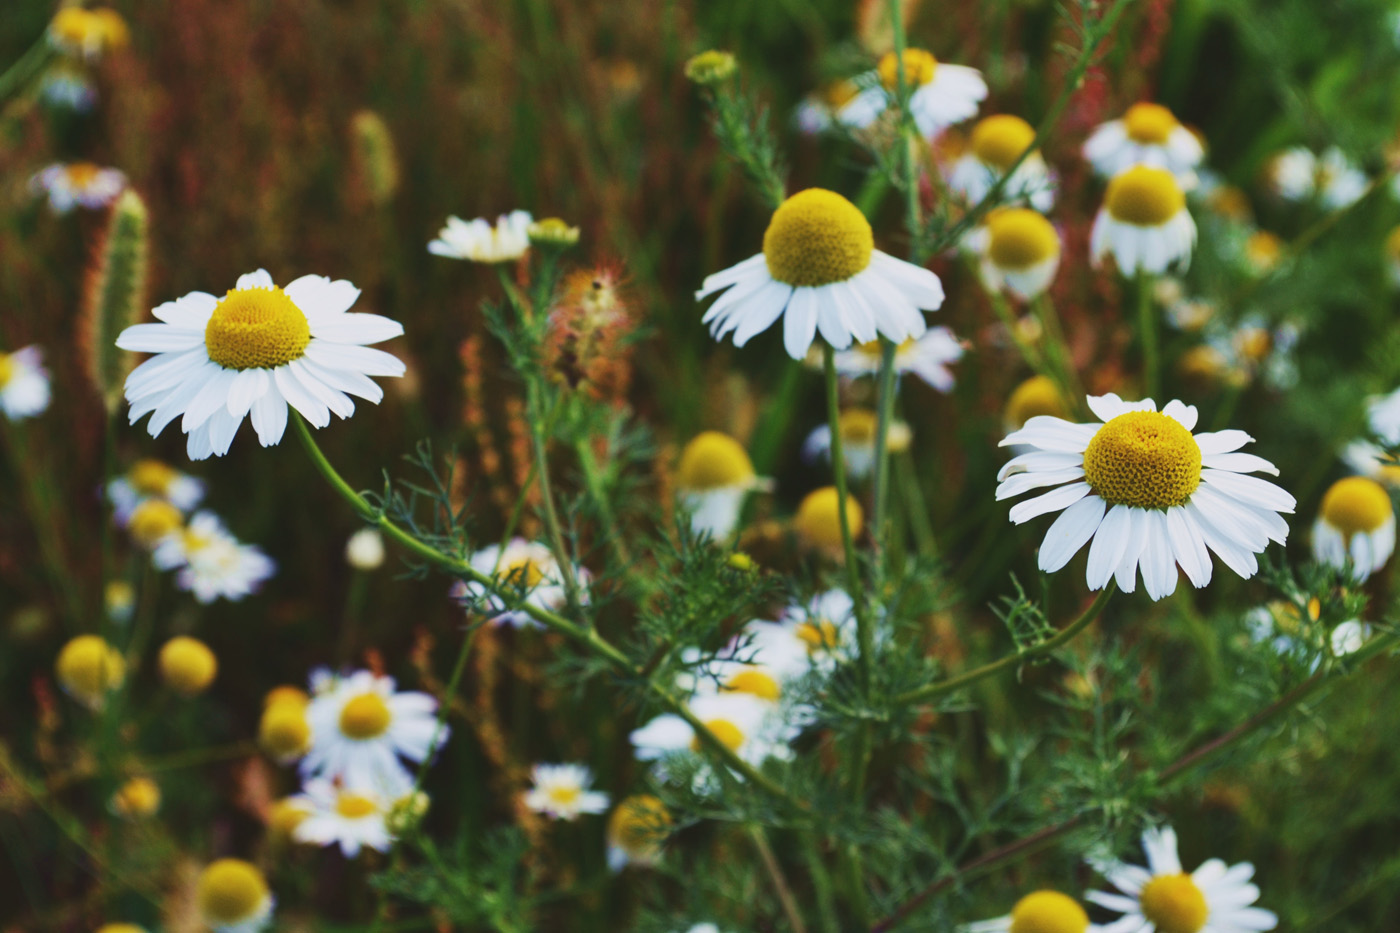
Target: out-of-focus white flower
<point>1148,134</point>
<point>24,383</point>
<point>521,565</point>
<point>212,564</point>
<point>939,94</point>
<point>713,478</point>
<point>1355,522</point>
<point>365,549</point>
<point>927,357</point>
<point>562,792</point>
<point>350,817</point>
<point>149,479</point>
<point>996,143</point>
<point>859,428</point>
<point>1144,223</point>
<point>479,241</point>
<point>1298,175</point>
<point>78,184</point>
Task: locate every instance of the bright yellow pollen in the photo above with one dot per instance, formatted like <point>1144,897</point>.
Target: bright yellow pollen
<point>354,806</point>
<point>713,460</point>
<point>230,891</point>
<point>139,796</point>
<point>120,928</point>
<point>283,731</point>
<point>1174,904</point>
<point>639,825</point>
<point>87,667</point>
<point>1392,249</point>
<point>1144,197</point>
<point>1019,238</point>
<point>1048,912</point>
<point>151,477</point>
<point>187,665</point>
<point>818,636</point>
<point>1144,459</point>
<point>152,520</point>
<point>256,328</point>
<point>365,716</point>
<point>730,735</point>
<point>998,141</point>
<point>919,67</point>
<point>1151,124</point>
<point>818,518</point>
<point>755,683</point>
<point>523,572</point>
<point>817,237</point>
<point>1356,505</point>
<point>1036,396</point>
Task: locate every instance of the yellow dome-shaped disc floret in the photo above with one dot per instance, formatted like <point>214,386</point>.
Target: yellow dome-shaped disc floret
<point>1356,505</point>
<point>999,140</point>
<point>88,667</point>
<point>1174,904</point>
<point>919,67</point>
<point>820,635</point>
<point>1149,124</point>
<point>1144,196</point>
<point>284,816</point>
<point>283,731</point>
<point>286,693</point>
<point>523,572</point>
<point>1144,459</point>
<point>1048,912</point>
<point>187,665</point>
<point>817,237</point>
<point>256,328</point>
<point>1038,395</point>
<point>120,928</point>
<point>231,891</point>
<point>639,825</point>
<point>152,520</point>
<point>818,518</point>
<point>355,806</point>
<point>730,735</point>
<point>713,460</point>
<point>151,477</point>
<point>1020,238</point>
<point>754,682</point>
<point>138,797</point>
<point>366,716</point>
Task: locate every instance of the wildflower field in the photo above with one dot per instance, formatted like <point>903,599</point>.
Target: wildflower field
<point>699,466</point>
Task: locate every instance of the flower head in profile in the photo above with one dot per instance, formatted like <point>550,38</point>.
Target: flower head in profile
<point>88,33</point>
<point>1148,493</point>
<point>927,357</point>
<point>233,897</point>
<point>479,241</point>
<point>1355,526</point>
<point>1020,252</point>
<point>1148,134</point>
<point>24,383</point>
<point>562,792</point>
<point>252,353</point>
<point>713,478</point>
<point>1143,223</point>
<point>362,729</point>
<point>820,271</point>
<point>526,567</point>
<point>1038,912</point>
<point>344,815</point>
<point>78,184</point>
<point>1215,898</point>
<point>637,831</point>
<point>996,144</point>
<point>149,479</point>
<point>939,94</point>
<point>859,428</point>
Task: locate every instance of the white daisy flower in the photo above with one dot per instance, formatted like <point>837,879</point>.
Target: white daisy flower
<point>24,383</point>
<point>817,112</point>
<point>1038,912</point>
<point>1020,252</point>
<point>1144,222</point>
<point>562,792</point>
<point>939,94</point>
<point>342,815</point>
<point>996,143</point>
<point>1348,637</point>
<point>232,897</point>
<point>478,241</point>
<point>859,427</point>
<point>78,184</point>
<point>212,563</point>
<point>819,270</point>
<point>252,353</point>
<point>525,566</point>
<point>807,636</point>
<point>1355,522</point>
<point>927,357</point>
<point>1148,492</point>
<point>152,479</point>
<point>361,728</point>
<point>86,33</point>
<point>637,831</point>
<point>713,478</point>
<point>1215,898</point>
<point>749,725</point>
<point>1298,175</point>
<point>1371,460</point>
<point>1148,134</point>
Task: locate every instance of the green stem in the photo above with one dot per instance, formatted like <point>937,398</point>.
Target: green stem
<point>880,492</point>
<point>775,874</point>
<point>18,75</point>
<point>562,557</point>
<point>915,506</point>
<point>821,884</point>
<point>593,478</point>
<point>1067,378</point>
<point>1147,333</point>
<point>838,468</point>
<point>42,516</point>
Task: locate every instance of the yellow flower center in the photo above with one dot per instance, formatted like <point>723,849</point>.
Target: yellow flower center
<point>81,174</point>
<point>999,141</point>
<point>838,94</point>
<point>139,796</point>
<point>365,716</point>
<point>1036,396</point>
<point>1048,912</point>
<point>1392,249</point>
<point>1356,505</point>
<point>730,735</point>
<point>821,635</point>
<point>818,517</point>
<point>639,824</point>
<point>1150,124</point>
<point>859,426</point>
<point>7,369</point>
<point>754,682</point>
<point>1144,459</point>
<point>523,572</point>
<point>88,667</point>
<point>713,461</point>
<point>153,520</point>
<point>1254,343</point>
<point>817,237</point>
<point>1174,904</point>
<point>565,795</point>
<point>286,694</point>
<point>1144,196</point>
<point>286,815</point>
<point>1263,249</point>
<point>256,328</point>
<point>919,67</point>
<point>283,730</point>
<point>187,665</point>
<point>355,806</point>
<point>230,890</point>
<point>151,477</point>
<point>1019,238</point>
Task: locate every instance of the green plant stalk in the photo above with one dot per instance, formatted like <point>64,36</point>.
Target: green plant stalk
<point>17,77</point>
<point>1147,334</point>
<point>916,507</point>
<point>593,478</point>
<point>838,468</point>
<point>775,874</point>
<point>880,491</point>
<point>821,883</point>
<point>562,557</point>
<point>1067,377</point>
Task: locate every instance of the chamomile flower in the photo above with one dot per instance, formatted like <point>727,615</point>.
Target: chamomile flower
<point>927,357</point>
<point>939,94</point>
<point>152,523</point>
<point>1348,637</point>
<point>153,479</point>
<point>1148,492</point>
<point>747,724</point>
<point>524,566</point>
<point>78,184</point>
<point>637,831</point>
<point>1331,179</point>
<point>1143,223</point>
<point>252,353</point>
<point>138,797</point>
<point>1383,416</point>
<point>1037,912</point>
<point>1215,898</point>
<point>1372,461</point>
<point>818,111</point>
<point>859,427</point>
<point>232,897</point>
<point>1020,252</point>
<point>1148,134</point>
<point>806,636</point>
<point>1355,522</point>
<point>88,668</point>
<point>1037,396</point>
<point>362,727</point>
<point>820,271</point>
<point>713,478</point>
<point>284,731</point>
<point>1262,251</point>
<point>24,383</point>
<point>818,519</point>
<point>479,241</point>
<point>212,563</point>
<point>77,31</point>
<point>562,792</point>
<point>187,665</point>
<point>344,815</point>
<point>996,143</point>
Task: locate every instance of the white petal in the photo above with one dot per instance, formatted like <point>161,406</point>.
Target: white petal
<point>1221,442</point>
<point>322,300</point>
<point>314,410</point>
<point>1106,551</point>
<point>1184,414</point>
<point>159,338</point>
<point>1239,463</point>
<point>357,329</point>
<point>1052,501</point>
<point>269,414</point>
<point>248,386</point>
<point>1021,482</point>
<point>799,324</point>
<point>258,279</point>
<point>1070,532</point>
<point>366,360</point>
